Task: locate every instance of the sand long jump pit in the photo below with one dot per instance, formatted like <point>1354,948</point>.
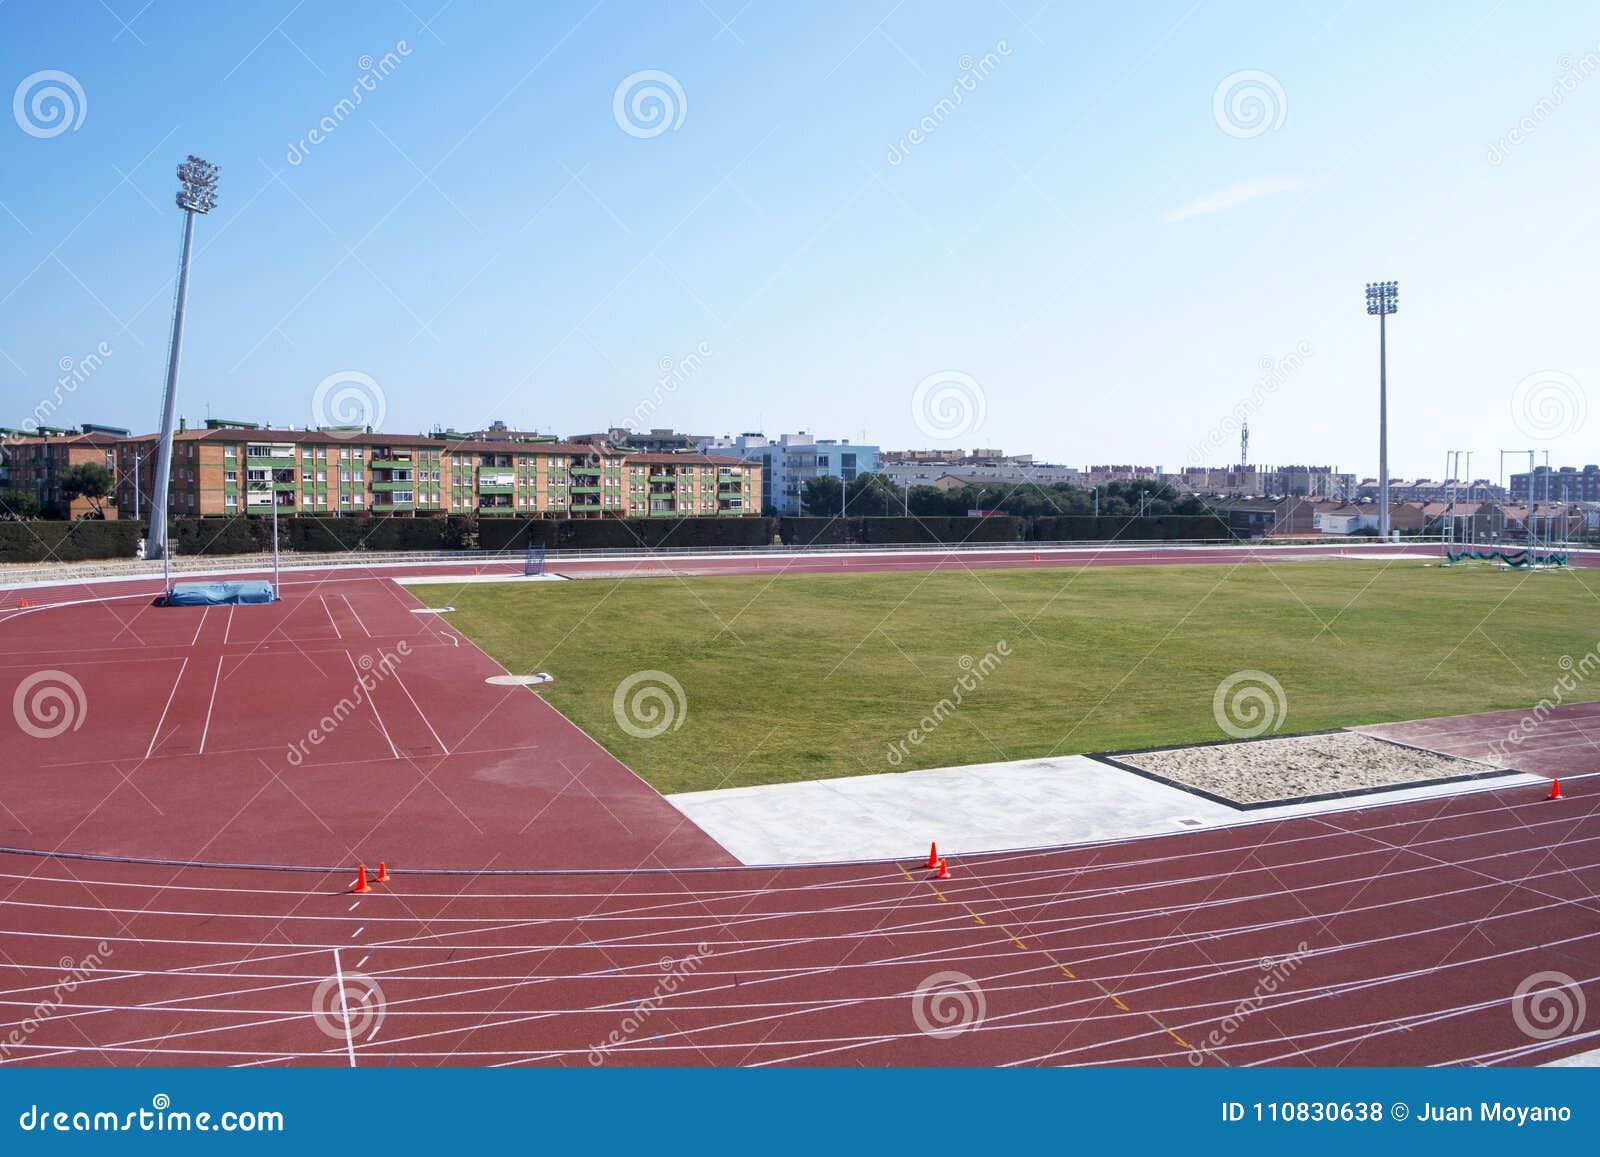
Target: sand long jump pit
<point>1258,773</point>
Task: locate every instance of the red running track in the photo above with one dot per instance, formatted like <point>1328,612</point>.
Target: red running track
<point>1398,934</point>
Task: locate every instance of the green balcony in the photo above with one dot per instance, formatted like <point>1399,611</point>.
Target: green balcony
<point>270,463</point>
<point>392,507</point>
<point>486,488</point>
<point>384,485</point>
<point>584,489</point>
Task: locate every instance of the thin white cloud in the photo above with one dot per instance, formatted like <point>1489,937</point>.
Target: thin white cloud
<point>1233,196</point>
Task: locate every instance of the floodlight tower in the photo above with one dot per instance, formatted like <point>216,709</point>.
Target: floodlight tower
<point>1383,297</point>
<point>197,194</point>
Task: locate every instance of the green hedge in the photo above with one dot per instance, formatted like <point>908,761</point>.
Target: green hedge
<point>1086,527</point>
<point>938,528</point>
<point>622,533</point>
<point>40,541</point>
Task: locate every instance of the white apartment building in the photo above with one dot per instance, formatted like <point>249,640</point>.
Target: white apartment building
<point>790,460</point>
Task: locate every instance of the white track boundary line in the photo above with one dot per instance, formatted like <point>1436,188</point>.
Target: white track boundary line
<point>156,734</point>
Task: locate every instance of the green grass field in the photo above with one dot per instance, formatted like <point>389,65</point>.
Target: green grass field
<point>814,676</point>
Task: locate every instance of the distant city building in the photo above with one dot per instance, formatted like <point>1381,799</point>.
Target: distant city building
<point>32,463</point>
<point>1267,481</point>
<point>792,460</point>
<point>907,468</point>
<point>655,441</point>
<point>1564,484</point>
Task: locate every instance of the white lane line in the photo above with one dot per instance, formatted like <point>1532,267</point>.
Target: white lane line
<point>228,626</point>
<point>349,1041</point>
<point>327,610</point>
<point>358,932</point>
<point>201,624</point>
<point>156,734</point>
<point>215,683</point>
<point>376,714</point>
<point>363,960</point>
<point>421,714</point>
<point>355,616</point>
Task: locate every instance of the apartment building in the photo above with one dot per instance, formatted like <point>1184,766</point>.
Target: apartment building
<point>238,468</point>
<point>1564,484</point>
<point>790,461</point>
<point>32,463</point>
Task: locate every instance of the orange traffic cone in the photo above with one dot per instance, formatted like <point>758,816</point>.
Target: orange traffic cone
<point>933,855</point>
<point>944,871</point>
<point>1555,789</point>
<point>383,873</point>
<point>361,885</point>
<point>24,603</point>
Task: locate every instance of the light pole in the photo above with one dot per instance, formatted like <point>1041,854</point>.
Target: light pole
<point>1383,297</point>
<point>136,460</point>
<point>198,194</point>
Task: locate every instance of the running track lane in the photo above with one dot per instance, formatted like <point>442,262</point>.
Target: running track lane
<point>1392,935</point>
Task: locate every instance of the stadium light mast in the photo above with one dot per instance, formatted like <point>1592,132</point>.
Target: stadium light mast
<point>1383,297</point>
<point>197,194</point>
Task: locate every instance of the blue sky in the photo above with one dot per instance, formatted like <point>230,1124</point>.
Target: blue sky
<point>1096,248</point>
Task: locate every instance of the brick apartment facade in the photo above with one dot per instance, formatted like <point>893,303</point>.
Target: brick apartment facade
<point>33,464</point>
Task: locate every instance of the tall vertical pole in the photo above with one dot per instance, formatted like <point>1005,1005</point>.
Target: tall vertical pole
<point>137,459</point>
<point>156,541</point>
<point>275,593</point>
<point>1383,427</point>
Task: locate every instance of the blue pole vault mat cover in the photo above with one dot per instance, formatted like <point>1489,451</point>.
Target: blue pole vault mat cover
<point>219,594</point>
